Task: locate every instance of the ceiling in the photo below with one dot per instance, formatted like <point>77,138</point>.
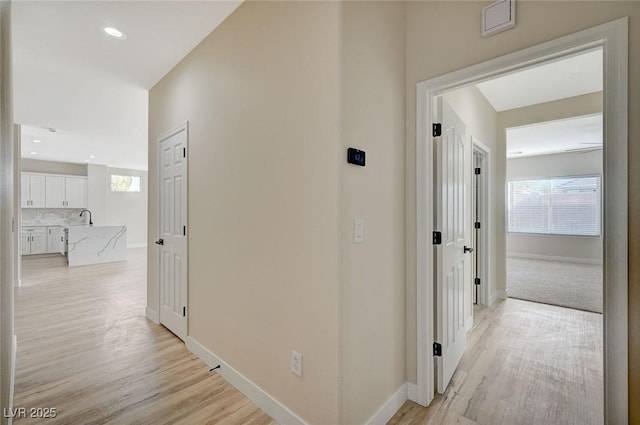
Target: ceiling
<point>578,134</point>
<point>573,76</point>
<point>69,75</point>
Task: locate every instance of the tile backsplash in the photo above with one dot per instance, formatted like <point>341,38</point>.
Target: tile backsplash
<point>46,216</point>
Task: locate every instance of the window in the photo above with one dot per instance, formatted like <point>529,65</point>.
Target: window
<point>556,206</point>
<point>125,183</point>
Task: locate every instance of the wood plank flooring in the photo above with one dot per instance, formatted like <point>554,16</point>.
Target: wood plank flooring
<point>85,348</point>
<point>526,364</point>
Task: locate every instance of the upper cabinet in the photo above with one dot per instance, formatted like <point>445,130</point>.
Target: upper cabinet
<point>66,192</point>
<point>32,191</point>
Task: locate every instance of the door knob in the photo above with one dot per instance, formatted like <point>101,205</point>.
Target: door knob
<point>467,249</point>
<point>160,242</point>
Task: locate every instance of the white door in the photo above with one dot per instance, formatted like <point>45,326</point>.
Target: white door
<point>25,244</point>
<point>55,192</point>
<point>39,243</point>
<point>76,192</point>
<point>172,161</point>
<point>453,263</point>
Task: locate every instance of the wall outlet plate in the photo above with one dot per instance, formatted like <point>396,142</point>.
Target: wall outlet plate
<point>296,363</point>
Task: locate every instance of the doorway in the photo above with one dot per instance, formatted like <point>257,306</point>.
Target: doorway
<point>612,36</point>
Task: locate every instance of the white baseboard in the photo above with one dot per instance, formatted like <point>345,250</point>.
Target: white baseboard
<point>152,314</point>
<point>137,245</point>
<point>497,295</point>
<point>12,375</point>
<point>390,407</point>
<point>272,407</point>
<point>552,258</point>
<point>412,392</point>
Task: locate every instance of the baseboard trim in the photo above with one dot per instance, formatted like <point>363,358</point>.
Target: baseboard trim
<point>412,392</point>
<point>12,375</point>
<point>137,245</point>
<point>272,407</point>
<point>390,407</point>
<point>152,315</point>
<point>498,295</point>
<point>552,258</point>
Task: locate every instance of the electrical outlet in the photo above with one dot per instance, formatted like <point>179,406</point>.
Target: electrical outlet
<point>296,363</point>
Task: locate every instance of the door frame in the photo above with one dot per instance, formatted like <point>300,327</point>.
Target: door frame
<point>613,38</point>
<point>183,127</point>
<point>485,213</point>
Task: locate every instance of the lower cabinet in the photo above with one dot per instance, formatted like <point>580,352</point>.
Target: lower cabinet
<point>43,240</point>
<point>55,240</point>
<point>34,240</point>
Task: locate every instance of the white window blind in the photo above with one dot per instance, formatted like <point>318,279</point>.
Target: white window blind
<point>557,206</point>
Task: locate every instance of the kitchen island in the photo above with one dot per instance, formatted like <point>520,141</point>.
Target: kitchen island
<point>92,244</point>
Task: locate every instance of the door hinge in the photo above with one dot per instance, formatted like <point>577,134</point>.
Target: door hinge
<point>437,238</point>
<point>437,349</point>
<point>476,281</point>
<point>184,311</point>
<point>476,225</point>
<point>437,129</point>
<point>476,171</point>
<point>184,152</point>
<point>184,230</point>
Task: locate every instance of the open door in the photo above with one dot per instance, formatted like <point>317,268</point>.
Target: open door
<point>172,162</point>
<point>453,264</point>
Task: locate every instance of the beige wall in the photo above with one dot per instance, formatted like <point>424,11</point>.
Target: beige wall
<point>445,36</point>
<point>53,167</point>
<point>261,95</point>
<point>564,164</point>
<point>373,290</point>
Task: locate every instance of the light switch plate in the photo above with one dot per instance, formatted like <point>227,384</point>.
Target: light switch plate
<point>358,230</point>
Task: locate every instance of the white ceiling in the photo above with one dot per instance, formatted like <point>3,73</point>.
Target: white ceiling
<point>70,76</point>
<point>573,76</point>
<point>568,135</point>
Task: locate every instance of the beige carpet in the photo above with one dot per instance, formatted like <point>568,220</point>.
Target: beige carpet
<point>572,285</point>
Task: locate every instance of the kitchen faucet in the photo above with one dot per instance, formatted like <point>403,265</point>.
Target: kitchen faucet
<point>90,220</point>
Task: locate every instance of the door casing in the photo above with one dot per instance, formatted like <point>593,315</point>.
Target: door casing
<point>613,38</point>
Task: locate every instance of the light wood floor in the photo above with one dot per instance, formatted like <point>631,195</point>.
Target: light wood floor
<point>526,363</point>
<point>85,348</point>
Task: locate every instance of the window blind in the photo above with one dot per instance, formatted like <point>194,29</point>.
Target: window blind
<point>557,206</point>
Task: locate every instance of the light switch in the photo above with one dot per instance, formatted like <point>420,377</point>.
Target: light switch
<point>358,230</point>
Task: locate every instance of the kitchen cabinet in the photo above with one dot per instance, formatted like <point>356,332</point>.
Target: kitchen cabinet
<point>55,240</point>
<point>32,190</point>
<point>34,240</point>
<point>66,192</point>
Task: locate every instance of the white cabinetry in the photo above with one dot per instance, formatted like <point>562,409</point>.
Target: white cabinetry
<point>32,191</point>
<point>66,192</point>
<point>55,240</point>
<point>34,240</point>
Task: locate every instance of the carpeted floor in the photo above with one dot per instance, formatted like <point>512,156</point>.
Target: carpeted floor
<point>572,285</point>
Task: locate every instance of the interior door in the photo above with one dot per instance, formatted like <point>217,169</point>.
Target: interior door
<point>172,160</point>
<point>453,220</point>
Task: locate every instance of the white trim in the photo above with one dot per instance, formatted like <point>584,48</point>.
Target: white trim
<point>613,37</point>
<point>390,407</point>
<point>553,258</point>
<point>12,375</point>
<point>486,213</point>
<point>272,407</point>
<point>152,315</point>
<point>412,392</point>
<point>137,245</point>
<point>497,295</point>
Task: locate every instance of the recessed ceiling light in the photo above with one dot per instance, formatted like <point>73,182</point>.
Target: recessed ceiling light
<point>114,32</point>
<point>92,156</point>
<point>86,160</point>
<point>37,141</point>
<point>33,153</point>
